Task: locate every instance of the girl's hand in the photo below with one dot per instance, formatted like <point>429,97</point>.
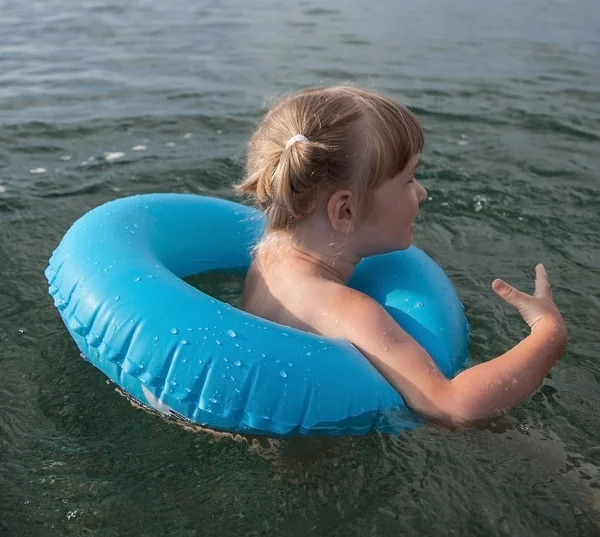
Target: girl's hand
<point>536,310</point>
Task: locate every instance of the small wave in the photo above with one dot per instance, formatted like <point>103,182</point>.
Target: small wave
<point>451,117</point>
<point>540,123</point>
<point>321,11</point>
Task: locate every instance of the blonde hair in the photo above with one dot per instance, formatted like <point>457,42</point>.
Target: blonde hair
<point>343,137</point>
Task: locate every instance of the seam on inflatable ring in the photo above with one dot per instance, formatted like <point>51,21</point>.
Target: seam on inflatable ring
<point>67,314</point>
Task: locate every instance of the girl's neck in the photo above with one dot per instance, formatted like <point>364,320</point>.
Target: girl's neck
<point>327,259</point>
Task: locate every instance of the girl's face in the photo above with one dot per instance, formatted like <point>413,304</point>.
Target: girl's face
<point>390,224</point>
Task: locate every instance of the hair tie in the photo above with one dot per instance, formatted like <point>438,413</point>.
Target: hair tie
<point>296,138</point>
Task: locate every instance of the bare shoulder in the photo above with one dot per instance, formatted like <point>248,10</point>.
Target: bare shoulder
<point>397,356</point>
<point>366,322</point>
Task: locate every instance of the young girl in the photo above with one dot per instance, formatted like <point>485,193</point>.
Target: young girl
<point>333,169</point>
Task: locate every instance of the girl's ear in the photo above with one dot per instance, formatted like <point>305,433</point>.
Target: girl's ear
<point>341,211</point>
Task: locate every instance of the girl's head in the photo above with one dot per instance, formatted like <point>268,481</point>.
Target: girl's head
<point>324,141</point>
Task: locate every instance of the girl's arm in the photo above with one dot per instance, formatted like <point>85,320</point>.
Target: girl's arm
<point>481,393</point>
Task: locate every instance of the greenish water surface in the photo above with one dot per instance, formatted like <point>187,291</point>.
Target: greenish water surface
<point>100,99</point>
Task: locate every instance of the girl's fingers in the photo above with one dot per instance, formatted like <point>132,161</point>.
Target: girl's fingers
<point>542,285</point>
<point>509,293</point>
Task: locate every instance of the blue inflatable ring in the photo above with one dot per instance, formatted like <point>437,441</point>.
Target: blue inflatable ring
<point>116,281</point>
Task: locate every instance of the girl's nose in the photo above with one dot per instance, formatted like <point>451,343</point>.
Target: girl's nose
<point>422,193</point>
